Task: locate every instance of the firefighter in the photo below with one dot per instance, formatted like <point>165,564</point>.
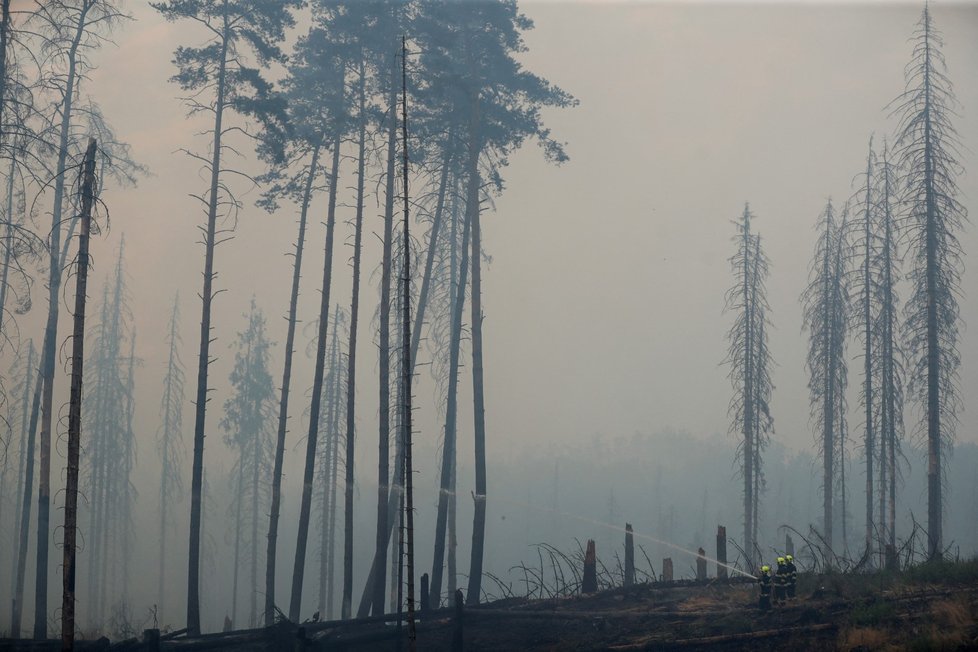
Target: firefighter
<point>764,581</point>
<point>792,575</point>
<point>780,582</point>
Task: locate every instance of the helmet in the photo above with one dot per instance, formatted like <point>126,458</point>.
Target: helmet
<point>765,568</point>
<point>780,561</point>
<point>789,558</point>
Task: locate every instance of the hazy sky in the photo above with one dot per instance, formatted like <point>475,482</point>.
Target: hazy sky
<point>604,297</point>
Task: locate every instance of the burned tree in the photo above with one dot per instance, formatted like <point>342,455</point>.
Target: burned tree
<point>826,317</point>
<point>170,441</point>
<point>331,420</point>
<point>928,148</point>
<point>248,426</point>
<point>888,354</point>
<point>72,29</point>
<point>749,359</point>
<point>109,453</point>
<point>88,194</point>
<point>865,249</point>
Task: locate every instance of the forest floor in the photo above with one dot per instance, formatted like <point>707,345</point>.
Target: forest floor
<point>931,607</point>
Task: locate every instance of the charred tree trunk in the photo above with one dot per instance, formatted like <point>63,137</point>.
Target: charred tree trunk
<point>368,596</point>
<point>629,578</point>
<point>283,409</point>
<point>478,392</point>
<point>406,368</point>
<point>74,404</point>
<point>50,343</point>
<point>451,416</point>
<point>383,463</point>
<point>298,571</point>
<point>346,603</point>
<point>207,296</point>
<point>17,605</point>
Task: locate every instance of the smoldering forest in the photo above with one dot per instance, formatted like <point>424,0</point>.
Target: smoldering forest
<point>325,323</point>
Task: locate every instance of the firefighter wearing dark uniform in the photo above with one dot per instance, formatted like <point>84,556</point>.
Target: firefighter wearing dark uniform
<point>764,581</point>
<point>780,582</point>
<point>792,575</point>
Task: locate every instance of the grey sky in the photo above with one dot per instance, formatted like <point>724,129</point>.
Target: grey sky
<point>604,296</point>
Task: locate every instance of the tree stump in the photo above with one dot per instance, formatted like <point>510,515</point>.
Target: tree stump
<point>721,552</point>
<point>425,598</point>
<point>457,633</point>
<point>701,565</point>
<point>589,584</point>
<point>629,578</point>
<point>892,559</point>
<point>667,569</point>
<point>151,640</point>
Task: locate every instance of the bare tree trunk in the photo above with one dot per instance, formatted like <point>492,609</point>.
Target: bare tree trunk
<point>347,599</point>
<point>329,484</point>
<point>8,235</point>
<point>749,398</point>
<point>935,500</point>
<point>283,410</point>
<point>50,344</point>
<point>207,296</point>
<point>383,459</point>
<point>368,596</point>
<point>4,40</point>
<point>406,369</point>
<point>452,564</point>
<point>237,546</point>
<point>478,393</point>
<point>298,572</point>
<point>868,398</point>
<point>828,441</point>
<point>451,415</point>
<point>888,434</point>
<point>17,605</point>
<point>74,403</point>
<point>253,616</point>
<point>21,463</point>
<point>333,473</point>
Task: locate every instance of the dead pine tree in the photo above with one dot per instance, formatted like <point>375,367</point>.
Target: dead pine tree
<point>170,443</point>
<point>889,359</point>
<point>71,30</point>
<point>247,422</point>
<point>749,360</point>
<point>88,192</point>
<point>928,146</point>
<point>865,248</point>
<point>406,370</point>
<point>330,422</point>
<point>826,317</point>
<point>108,456</point>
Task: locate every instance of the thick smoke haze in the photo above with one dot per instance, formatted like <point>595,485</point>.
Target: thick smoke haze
<point>607,396</point>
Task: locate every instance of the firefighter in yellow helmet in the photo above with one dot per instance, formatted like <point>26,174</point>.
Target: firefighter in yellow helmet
<point>780,582</point>
<point>792,575</point>
<point>764,582</point>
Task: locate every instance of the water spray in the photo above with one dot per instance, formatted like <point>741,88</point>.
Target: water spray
<point>618,528</point>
